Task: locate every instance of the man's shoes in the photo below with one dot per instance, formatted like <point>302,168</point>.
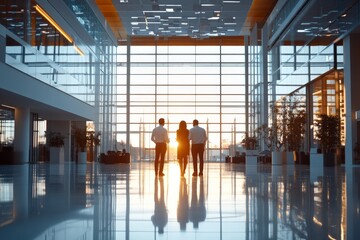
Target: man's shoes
<point>194,174</point>
<point>161,174</point>
<point>200,174</point>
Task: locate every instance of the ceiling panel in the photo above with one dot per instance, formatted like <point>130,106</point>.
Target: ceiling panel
<point>149,20</point>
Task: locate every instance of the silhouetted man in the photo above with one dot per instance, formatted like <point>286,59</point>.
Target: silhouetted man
<point>198,138</point>
<point>160,137</point>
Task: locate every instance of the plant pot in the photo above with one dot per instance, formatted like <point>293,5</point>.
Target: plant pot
<point>276,158</point>
<point>251,157</point>
<point>82,157</point>
<point>290,158</point>
<point>320,160</point>
<point>56,154</point>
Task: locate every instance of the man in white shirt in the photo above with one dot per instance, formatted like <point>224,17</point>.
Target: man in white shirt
<point>160,137</point>
<point>198,138</point>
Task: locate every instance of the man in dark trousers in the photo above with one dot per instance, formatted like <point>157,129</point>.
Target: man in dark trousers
<point>160,137</point>
<point>198,138</point>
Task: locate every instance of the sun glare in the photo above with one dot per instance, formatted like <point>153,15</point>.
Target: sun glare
<point>173,143</point>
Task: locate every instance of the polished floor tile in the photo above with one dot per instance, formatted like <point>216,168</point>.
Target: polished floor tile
<point>231,201</point>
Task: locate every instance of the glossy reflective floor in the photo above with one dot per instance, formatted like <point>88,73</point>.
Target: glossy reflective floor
<point>95,201</point>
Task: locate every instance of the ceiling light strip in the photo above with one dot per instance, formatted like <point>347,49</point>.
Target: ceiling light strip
<point>78,50</point>
<point>52,21</point>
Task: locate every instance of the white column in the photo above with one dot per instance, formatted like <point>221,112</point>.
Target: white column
<point>22,134</point>
<point>352,86</point>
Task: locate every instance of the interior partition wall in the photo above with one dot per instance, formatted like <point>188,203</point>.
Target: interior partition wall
<point>181,83</point>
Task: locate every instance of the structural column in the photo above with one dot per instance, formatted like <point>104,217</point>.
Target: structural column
<point>22,134</point>
<point>352,86</point>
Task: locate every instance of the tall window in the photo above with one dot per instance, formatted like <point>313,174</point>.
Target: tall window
<point>182,83</point>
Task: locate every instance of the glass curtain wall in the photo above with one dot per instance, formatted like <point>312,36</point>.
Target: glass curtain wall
<point>35,46</point>
<point>101,70</point>
<point>254,85</point>
<point>85,71</point>
<point>301,55</point>
<point>182,83</point>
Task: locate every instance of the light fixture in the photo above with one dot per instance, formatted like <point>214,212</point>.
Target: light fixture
<point>7,106</point>
<point>57,27</point>
<point>52,21</point>
<point>78,50</point>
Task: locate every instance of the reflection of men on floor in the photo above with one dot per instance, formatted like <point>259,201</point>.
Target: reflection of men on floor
<point>197,208</point>
<point>183,205</point>
<point>160,217</point>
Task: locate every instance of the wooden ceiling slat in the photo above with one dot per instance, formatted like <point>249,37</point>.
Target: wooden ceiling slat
<point>111,15</point>
<point>258,13</point>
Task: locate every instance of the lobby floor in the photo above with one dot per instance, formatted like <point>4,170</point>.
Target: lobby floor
<point>231,201</point>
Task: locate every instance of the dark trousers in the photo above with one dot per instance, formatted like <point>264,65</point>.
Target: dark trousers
<point>160,151</point>
<point>198,150</point>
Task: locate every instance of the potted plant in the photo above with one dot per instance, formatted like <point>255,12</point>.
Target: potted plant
<point>55,141</point>
<point>94,142</point>
<point>327,134</point>
<point>273,135</point>
<point>81,139</point>
<point>295,128</point>
<point>249,143</point>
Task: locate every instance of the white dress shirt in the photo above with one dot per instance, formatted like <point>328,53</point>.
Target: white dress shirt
<point>160,135</point>
<point>197,135</point>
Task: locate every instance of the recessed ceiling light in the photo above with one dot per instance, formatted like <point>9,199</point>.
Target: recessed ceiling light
<point>302,30</point>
